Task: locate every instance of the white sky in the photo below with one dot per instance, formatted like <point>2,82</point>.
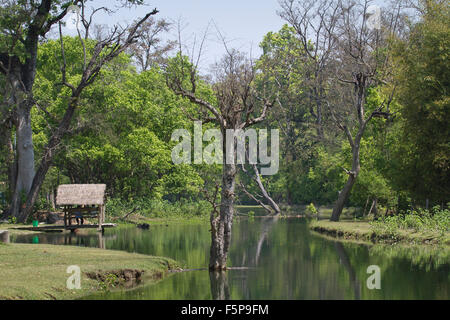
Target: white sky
<point>242,22</point>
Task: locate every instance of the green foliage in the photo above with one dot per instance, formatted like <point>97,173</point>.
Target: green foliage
<point>125,124</point>
<point>311,209</point>
<point>423,66</point>
<point>404,159</point>
<point>153,208</point>
<point>121,132</point>
<point>419,220</point>
<point>109,282</point>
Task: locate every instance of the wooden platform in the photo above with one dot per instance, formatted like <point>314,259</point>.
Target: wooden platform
<point>62,227</point>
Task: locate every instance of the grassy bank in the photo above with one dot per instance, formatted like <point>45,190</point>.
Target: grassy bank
<point>366,231</point>
<point>30,271</point>
<point>12,228</point>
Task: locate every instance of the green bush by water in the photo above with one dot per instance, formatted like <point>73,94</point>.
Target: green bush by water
<point>419,220</point>
<point>311,209</point>
<point>158,208</point>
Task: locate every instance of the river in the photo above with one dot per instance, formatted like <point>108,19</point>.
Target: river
<point>280,259</point>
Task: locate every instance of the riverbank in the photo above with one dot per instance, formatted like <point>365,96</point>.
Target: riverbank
<point>138,219</point>
<point>12,228</point>
<point>37,271</point>
<point>364,231</point>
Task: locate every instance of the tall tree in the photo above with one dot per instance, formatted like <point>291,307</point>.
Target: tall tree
<point>423,68</point>
<point>351,57</point>
<point>286,68</point>
<point>21,78</point>
<point>121,131</point>
<point>234,107</point>
<point>22,24</point>
<point>150,49</point>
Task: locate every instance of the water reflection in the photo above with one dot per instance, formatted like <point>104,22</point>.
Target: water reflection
<point>283,259</point>
<point>219,285</point>
<point>85,239</point>
<point>266,227</point>
<point>345,261</point>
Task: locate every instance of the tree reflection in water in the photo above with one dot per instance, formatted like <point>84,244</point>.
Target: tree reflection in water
<point>219,285</point>
<point>345,261</point>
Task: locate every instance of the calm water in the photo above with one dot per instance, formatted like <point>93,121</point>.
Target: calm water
<point>284,260</point>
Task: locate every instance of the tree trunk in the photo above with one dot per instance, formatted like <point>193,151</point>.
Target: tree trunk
<point>265,207</point>
<point>373,208</point>
<point>265,194</point>
<point>365,207</point>
<point>53,198</point>
<point>21,80</point>
<point>46,161</point>
<point>24,156</point>
<point>343,197</point>
<point>345,192</point>
<point>10,164</point>
<point>221,226</point>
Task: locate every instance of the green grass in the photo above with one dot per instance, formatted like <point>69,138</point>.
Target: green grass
<point>363,230</point>
<point>31,271</point>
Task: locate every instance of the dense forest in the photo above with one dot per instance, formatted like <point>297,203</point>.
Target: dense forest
<point>363,114</point>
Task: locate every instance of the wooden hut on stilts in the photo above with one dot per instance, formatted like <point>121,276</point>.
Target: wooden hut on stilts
<point>81,201</point>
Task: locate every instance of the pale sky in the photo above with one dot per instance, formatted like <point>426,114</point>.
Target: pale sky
<point>242,22</point>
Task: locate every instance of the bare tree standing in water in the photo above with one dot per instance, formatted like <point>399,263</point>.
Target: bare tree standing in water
<point>237,102</point>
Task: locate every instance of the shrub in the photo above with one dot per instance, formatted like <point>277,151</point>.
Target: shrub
<point>436,220</point>
<point>157,208</point>
<point>311,209</point>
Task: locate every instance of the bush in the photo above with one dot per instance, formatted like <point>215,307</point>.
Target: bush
<point>157,208</point>
<point>311,209</point>
<point>436,220</point>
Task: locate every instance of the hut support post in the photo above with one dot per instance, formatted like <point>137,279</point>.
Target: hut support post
<point>65,217</point>
<point>4,236</point>
<point>100,217</point>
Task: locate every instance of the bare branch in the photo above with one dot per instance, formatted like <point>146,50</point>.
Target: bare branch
<point>267,208</point>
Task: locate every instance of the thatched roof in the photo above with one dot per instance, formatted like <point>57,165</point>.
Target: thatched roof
<point>81,194</point>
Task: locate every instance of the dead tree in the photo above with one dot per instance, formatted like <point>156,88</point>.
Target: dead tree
<point>235,106</point>
<point>362,65</point>
<point>150,49</point>
<point>272,206</point>
<point>315,23</point>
